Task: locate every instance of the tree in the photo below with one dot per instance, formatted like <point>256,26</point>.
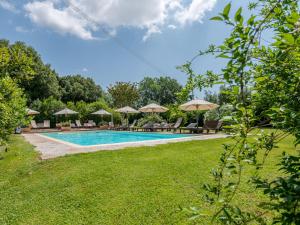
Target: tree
<point>43,85</point>
<point>123,94</point>
<point>258,74</point>
<point>79,88</point>
<point>47,107</point>
<point>223,96</point>
<point>12,108</point>
<point>162,90</point>
<point>25,66</point>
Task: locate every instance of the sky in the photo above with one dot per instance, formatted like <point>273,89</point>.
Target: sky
<point>117,40</point>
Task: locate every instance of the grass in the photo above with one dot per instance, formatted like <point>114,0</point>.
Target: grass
<point>144,185</point>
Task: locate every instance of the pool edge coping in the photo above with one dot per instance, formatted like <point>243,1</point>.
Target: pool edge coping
<point>120,143</point>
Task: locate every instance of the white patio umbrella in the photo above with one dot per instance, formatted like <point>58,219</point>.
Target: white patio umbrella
<point>101,112</point>
<point>127,110</point>
<point>197,105</point>
<point>153,108</point>
<point>31,112</point>
<point>65,112</point>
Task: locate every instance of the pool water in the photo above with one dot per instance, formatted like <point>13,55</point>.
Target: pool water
<point>87,138</point>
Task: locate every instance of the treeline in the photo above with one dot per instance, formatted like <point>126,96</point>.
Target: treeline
<point>41,88</point>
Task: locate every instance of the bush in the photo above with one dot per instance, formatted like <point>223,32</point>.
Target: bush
<point>155,118</point>
<point>219,113</point>
<point>12,108</point>
<point>174,113</point>
<point>47,108</point>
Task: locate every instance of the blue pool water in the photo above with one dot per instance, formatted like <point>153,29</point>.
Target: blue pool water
<point>110,137</point>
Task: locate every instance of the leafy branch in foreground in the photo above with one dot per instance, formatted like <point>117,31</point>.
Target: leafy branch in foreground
<point>271,75</point>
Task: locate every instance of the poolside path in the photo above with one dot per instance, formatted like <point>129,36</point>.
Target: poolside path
<point>52,148</point>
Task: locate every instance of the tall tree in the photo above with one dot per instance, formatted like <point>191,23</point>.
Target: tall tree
<point>25,66</point>
<point>123,94</point>
<point>162,90</point>
<point>78,88</point>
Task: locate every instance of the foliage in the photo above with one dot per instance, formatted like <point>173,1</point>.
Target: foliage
<point>284,192</point>
<point>43,85</point>
<point>18,61</point>
<point>219,113</point>
<point>12,108</point>
<point>223,96</point>
<point>124,94</point>
<point>174,113</point>
<point>161,90</point>
<point>78,88</point>
<point>25,66</point>
<point>47,107</point>
<point>155,118</point>
<point>264,77</point>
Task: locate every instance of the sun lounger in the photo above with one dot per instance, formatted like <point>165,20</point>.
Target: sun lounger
<point>46,124</point>
<point>78,123</point>
<point>33,124</point>
<point>212,125</point>
<point>191,127</point>
<point>177,124</point>
<point>111,125</point>
<point>92,123</point>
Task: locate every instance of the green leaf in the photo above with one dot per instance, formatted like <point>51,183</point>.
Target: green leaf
<point>219,18</point>
<point>223,55</point>
<point>251,20</point>
<point>237,16</point>
<point>226,10</point>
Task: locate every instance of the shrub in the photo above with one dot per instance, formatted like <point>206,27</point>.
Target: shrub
<point>12,108</point>
<point>219,113</point>
<point>155,118</point>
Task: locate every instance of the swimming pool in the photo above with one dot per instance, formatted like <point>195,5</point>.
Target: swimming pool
<point>88,138</point>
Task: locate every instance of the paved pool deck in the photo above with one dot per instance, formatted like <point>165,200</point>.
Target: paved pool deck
<point>52,148</point>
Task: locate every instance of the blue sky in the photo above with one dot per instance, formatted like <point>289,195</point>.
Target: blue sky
<point>163,38</point>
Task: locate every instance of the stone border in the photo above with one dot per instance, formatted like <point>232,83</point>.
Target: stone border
<point>52,148</point>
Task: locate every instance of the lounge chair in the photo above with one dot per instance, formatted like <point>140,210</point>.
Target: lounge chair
<point>124,126</point>
<point>46,124</point>
<point>191,127</point>
<point>92,123</point>
<point>145,127</point>
<point>160,127</point>
<point>212,125</point>
<point>133,124</point>
<point>78,123</point>
<point>148,126</point>
<point>177,124</point>
<point>89,124</point>
<point>111,125</point>
<point>33,124</point>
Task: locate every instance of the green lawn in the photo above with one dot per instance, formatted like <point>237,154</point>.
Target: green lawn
<point>134,186</point>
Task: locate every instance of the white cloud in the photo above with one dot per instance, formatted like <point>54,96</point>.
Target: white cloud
<point>195,12</point>
<point>82,18</point>
<point>6,4</point>
<point>85,70</point>
<point>172,26</point>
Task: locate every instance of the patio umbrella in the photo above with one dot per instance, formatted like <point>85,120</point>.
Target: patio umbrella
<point>101,112</point>
<point>65,112</point>
<point>127,110</point>
<point>31,112</point>
<point>153,108</point>
<point>197,105</point>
